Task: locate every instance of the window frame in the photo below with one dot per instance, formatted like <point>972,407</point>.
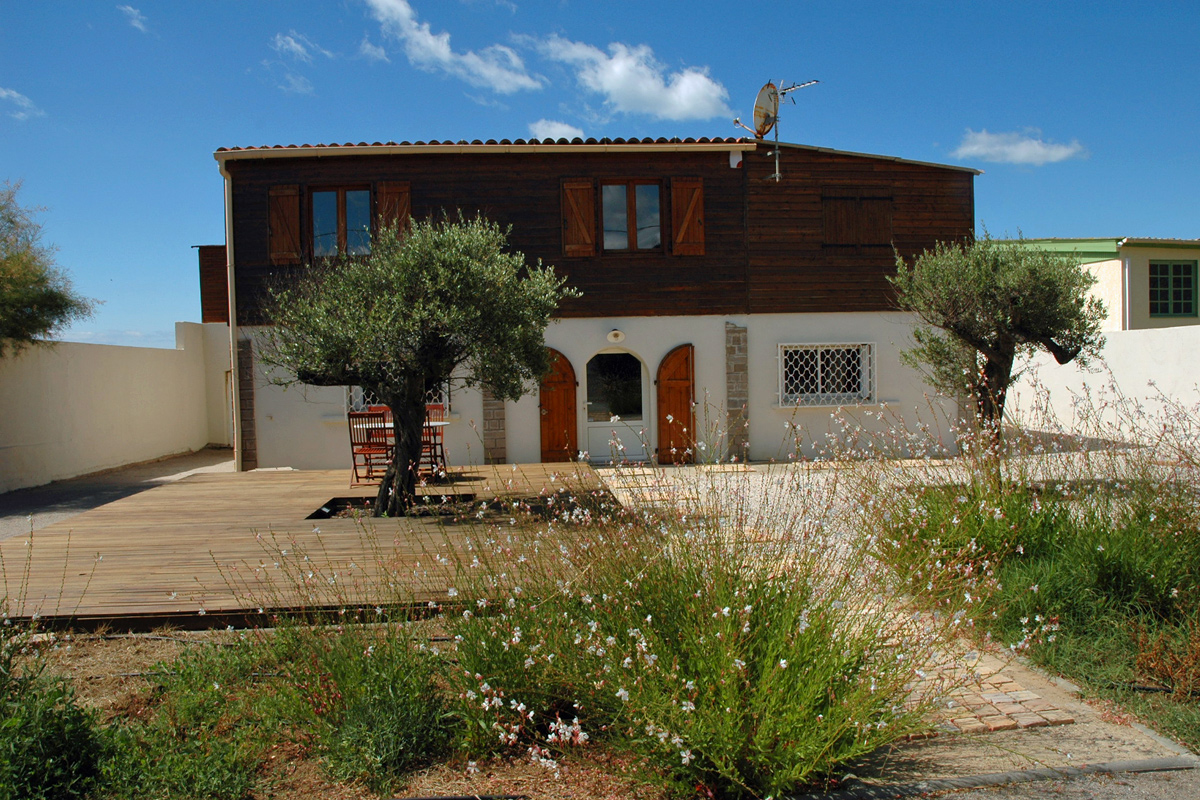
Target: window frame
<point>1170,264</point>
<point>867,390</point>
<point>341,190</point>
<point>631,228</point>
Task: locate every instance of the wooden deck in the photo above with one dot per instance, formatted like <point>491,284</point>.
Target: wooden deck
<point>217,548</point>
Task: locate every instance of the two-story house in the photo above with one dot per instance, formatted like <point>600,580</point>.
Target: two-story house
<point>720,298</point>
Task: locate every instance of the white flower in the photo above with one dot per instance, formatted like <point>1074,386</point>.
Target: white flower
<point>783,664</point>
<point>623,695</point>
<point>686,756</point>
<point>452,592</point>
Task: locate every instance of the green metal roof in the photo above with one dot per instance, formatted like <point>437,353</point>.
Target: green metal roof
<point>1088,251</point>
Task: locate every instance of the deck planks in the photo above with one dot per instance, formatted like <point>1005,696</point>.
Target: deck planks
<point>221,543</point>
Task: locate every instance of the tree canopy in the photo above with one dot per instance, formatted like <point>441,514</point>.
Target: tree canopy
<point>36,298</point>
<point>441,300</point>
<point>984,304</point>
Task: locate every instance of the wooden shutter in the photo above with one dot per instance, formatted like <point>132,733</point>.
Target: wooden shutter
<point>676,406</point>
<point>283,221</point>
<point>687,216</point>
<point>840,213</point>
<point>579,217</point>
<point>857,217</point>
<point>394,201</point>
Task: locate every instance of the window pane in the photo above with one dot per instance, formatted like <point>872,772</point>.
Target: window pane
<point>325,228</point>
<point>358,222</point>
<point>616,218</point>
<point>800,373</point>
<point>841,370</point>
<point>614,387</point>
<point>649,228</point>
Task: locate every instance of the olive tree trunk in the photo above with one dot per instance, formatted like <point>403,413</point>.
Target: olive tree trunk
<point>398,490</point>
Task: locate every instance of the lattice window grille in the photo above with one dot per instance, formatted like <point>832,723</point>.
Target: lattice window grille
<point>359,399</point>
<point>826,374</point>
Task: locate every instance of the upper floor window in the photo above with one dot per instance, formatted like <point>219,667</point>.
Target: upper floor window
<point>1172,288</point>
<point>631,214</point>
<point>341,222</point>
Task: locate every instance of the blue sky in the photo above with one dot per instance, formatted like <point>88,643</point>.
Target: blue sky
<point>1084,116</point>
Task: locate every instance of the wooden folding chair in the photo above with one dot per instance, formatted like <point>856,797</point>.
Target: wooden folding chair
<point>370,445</point>
<point>433,450</point>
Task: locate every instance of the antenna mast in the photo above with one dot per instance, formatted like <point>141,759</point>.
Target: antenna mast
<point>766,116</point>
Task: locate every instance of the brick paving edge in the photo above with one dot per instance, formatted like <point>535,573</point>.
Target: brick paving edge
<point>873,792</point>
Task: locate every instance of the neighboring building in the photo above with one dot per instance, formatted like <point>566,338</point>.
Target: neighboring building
<point>714,297</point>
<point>1144,283</point>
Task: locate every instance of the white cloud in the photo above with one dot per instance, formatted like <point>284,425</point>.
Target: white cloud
<point>25,106</point>
<point>634,82</point>
<point>552,129</point>
<point>1027,147</point>
<point>298,46</point>
<point>296,84</point>
<point>136,18</point>
<point>496,67</point>
<point>372,52</point>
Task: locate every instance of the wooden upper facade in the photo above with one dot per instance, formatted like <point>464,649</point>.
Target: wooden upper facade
<point>640,227</point>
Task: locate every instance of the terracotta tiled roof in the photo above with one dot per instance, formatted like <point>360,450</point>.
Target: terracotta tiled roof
<point>506,142</point>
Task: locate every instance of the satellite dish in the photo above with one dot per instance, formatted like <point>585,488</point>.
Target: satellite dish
<point>766,110</point>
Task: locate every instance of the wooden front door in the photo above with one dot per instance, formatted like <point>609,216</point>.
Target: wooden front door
<point>557,407</point>
<point>676,413</point>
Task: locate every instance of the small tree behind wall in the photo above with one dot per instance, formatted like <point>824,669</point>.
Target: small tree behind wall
<point>36,298</point>
<point>984,304</point>
<point>441,298</point>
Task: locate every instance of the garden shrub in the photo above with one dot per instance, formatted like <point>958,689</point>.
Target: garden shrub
<point>749,651</point>
<point>50,746</point>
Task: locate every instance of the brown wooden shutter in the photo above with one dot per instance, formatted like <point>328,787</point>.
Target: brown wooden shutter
<point>283,221</point>
<point>579,217</point>
<point>860,217</point>
<point>876,221</point>
<point>840,213</point>
<point>687,216</point>
<point>394,201</point>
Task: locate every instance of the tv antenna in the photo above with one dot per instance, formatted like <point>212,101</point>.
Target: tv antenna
<point>766,116</point>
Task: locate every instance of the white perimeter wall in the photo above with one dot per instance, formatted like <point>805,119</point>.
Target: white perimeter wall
<point>1131,360</point>
<point>305,427</point>
<point>74,408</point>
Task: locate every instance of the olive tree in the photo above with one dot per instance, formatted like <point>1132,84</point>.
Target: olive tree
<point>441,299</point>
<point>981,305</point>
<point>36,298</point>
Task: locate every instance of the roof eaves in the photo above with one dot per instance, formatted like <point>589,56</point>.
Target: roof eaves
<point>897,159</point>
<point>489,147</point>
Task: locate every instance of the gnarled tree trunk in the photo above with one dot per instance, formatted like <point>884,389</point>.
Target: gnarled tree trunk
<point>398,491</point>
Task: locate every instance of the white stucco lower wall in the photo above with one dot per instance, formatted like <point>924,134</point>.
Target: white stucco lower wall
<point>75,408</point>
<point>1140,366</point>
<point>305,427</point>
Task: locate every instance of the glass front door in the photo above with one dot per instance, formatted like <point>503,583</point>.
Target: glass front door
<point>616,406</point>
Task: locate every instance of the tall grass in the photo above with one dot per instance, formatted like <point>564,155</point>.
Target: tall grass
<point>1080,548</point>
<point>733,633</point>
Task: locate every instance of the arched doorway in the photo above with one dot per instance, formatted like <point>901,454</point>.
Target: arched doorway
<point>676,411</point>
<point>617,403</point>
<point>556,403</point>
